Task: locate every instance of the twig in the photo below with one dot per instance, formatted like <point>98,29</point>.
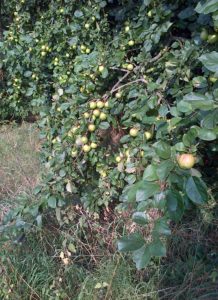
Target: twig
<point>129,83</point>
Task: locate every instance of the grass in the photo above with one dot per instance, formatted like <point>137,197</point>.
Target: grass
<point>41,267</point>
<point>19,163</point>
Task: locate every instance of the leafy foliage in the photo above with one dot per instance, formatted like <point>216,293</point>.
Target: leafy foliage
<point>122,89</point>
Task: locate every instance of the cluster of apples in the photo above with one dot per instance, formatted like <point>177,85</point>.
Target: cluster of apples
<point>211,38</point>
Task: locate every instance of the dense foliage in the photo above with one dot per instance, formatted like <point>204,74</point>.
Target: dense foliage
<point>127,97</point>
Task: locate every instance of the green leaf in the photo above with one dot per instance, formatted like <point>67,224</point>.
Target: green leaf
<point>131,242</point>
<point>104,125</point>
<point>210,61</point>
<point>199,101</point>
<point>161,227</point>
<point>189,138</point>
<point>157,248</point>
<point>210,120</point>
<point>206,7</point>
<point>164,169</point>
<point>173,198</point>
<point>142,257</point>
<point>150,173</point>
<point>140,218</point>
<point>163,149</point>
<point>196,190</point>
<point>147,190</point>
<point>206,134</point>
<point>52,202</point>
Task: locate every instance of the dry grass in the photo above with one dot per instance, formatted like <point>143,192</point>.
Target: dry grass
<point>19,162</point>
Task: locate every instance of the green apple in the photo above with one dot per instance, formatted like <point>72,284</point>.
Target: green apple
<point>101,68</point>
<point>91,127</point>
<point>86,148</point>
<point>93,145</point>
<point>103,116</point>
<point>133,132</point>
<point>131,43</point>
<point>84,139</point>
<point>92,105</point>
<point>148,135</point>
<point>130,67</point>
<point>100,104</point>
<point>96,112</point>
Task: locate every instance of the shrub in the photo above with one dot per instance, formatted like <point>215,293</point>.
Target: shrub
<point>127,95</point>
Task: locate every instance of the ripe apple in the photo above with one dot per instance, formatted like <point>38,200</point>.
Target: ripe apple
<point>84,140</point>
<point>91,127</point>
<point>133,132</point>
<point>93,145</point>
<point>86,148</point>
<point>100,104</point>
<point>148,135</point>
<point>130,67</point>
<point>103,116</point>
<point>96,112</point>
<point>186,161</point>
<point>131,43</point>
<point>101,68</point>
<point>92,105</point>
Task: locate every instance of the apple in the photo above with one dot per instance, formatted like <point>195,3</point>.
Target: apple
<point>133,132</point>
<point>67,55</point>
<point>103,116</point>
<point>59,109</point>
<point>93,145</point>
<point>127,29</point>
<point>130,67</point>
<point>213,79</point>
<point>87,25</point>
<point>142,153</point>
<point>118,95</point>
<point>74,129</point>
<point>93,118</point>
<point>150,14</point>
<point>88,50</point>
<point>100,104</point>
<point>148,135</point>
<point>86,115</point>
<point>91,127</point>
<point>101,68</point>
<point>106,104</point>
<point>186,161</point>
<point>74,153</point>
<point>96,112</point>
<point>212,38</point>
<point>84,140</point>
<point>131,43</point>
<point>118,159</point>
<point>204,35</point>
<point>82,47</point>
<point>86,148</point>
<point>92,105</point>
<point>43,47</point>
<point>43,53</point>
